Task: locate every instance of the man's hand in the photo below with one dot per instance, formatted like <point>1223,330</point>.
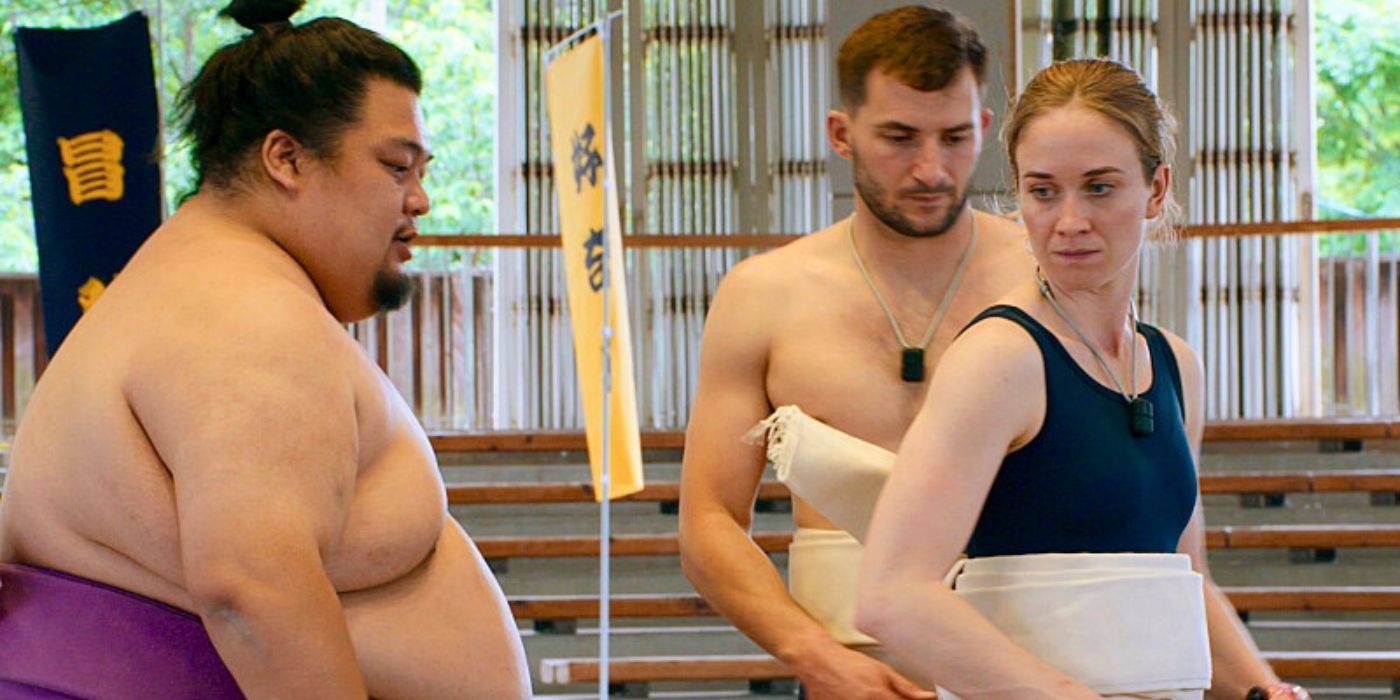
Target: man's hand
<point>842,674</point>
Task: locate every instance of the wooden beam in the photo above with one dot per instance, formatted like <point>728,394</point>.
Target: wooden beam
<point>1325,598</point>
<point>669,491</point>
<point>539,441</point>
<point>1335,664</point>
<point>1370,428</point>
<point>1307,536</point>
<point>773,240</point>
<point>504,493</point>
<point>1293,598</point>
<point>577,492</point>
<point>665,668</point>
<point>622,545</point>
<point>645,605</point>
<point>1356,480</point>
<point>1338,664</point>
<point>1229,537</point>
<point>1255,483</point>
<point>1349,428</point>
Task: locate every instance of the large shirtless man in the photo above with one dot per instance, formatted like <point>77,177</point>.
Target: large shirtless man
<point>211,439</point>
<point>801,325</point>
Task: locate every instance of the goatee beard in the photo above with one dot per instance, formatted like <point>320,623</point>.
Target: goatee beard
<point>873,195</point>
<point>392,290</point>
<point>905,227</point>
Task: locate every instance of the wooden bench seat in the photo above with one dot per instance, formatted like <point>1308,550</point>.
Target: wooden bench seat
<point>1228,537</point>
<point>632,670</point>
<point>1313,481</point>
<point>1252,430</point>
<point>1322,481</point>
<point>690,605</point>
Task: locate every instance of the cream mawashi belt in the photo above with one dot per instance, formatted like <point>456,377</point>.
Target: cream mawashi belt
<point>1126,625</point>
<point>837,474</point>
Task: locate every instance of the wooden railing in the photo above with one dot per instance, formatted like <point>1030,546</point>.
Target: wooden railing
<point>22,349</point>
<point>440,351</point>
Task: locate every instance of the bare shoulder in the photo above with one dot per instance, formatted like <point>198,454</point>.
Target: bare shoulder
<point>1187,361</point>
<point>1004,239</point>
<point>231,338</point>
<point>999,227</point>
<point>987,394</point>
<point>235,311</point>
<point>783,269</point>
<point>994,348</point>
<point>757,291</point>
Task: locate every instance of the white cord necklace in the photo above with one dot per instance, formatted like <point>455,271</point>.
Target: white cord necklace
<point>1140,421</point>
<point>911,357</point>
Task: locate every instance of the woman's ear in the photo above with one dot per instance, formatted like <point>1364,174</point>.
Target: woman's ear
<point>1161,187</point>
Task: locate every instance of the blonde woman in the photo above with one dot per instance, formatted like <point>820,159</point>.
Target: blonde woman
<point>1058,446</point>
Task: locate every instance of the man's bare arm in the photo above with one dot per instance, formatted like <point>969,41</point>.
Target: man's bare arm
<point>719,482</point>
<point>258,429</point>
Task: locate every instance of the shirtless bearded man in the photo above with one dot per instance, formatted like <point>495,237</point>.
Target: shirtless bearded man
<point>912,126</point>
<point>211,439</point>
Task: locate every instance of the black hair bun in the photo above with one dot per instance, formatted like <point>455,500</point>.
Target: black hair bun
<point>252,14</point>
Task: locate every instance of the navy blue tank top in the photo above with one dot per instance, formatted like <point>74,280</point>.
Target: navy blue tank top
<point>1085,483</point>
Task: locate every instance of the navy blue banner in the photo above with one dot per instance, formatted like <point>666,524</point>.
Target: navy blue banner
<point>90,126</point>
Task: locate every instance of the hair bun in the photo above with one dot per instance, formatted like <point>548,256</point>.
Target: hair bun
<point>252,14</point>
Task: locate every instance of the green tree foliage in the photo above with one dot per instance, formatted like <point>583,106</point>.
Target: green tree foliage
<point>1358,114</point>
<point>453,41</point>
<point>17,253</point>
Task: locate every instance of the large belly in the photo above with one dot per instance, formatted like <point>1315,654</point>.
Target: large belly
<point>441,632</point>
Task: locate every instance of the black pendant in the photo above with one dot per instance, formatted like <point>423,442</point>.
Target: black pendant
<point>911,365</point>
<point>1140,417</point>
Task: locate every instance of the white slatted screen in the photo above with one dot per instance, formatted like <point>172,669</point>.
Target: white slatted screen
<point>718,110</point>
<point>1243,157</point>
<point>1238,301</point>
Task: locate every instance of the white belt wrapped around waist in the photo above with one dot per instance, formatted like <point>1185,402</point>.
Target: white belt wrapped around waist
<point>823,570</point>
<point>837,474</point>
<point>1126,625</point>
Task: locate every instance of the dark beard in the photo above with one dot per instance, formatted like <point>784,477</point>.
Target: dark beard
<point>874,195</point>
<point>392,289</point>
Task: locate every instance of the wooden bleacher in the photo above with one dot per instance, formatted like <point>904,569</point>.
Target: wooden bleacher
<point>551,615</point>
<point>1236,537</point>
<point>632,674</point>
<point>1336,428</point>
<point>758,667</point>
<point>1228,537</point>
<point>1250,598</point>
<point>1320,481</point>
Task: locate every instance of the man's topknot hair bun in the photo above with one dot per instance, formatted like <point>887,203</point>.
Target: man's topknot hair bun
<point>307,80</point>
<point>252,14</point>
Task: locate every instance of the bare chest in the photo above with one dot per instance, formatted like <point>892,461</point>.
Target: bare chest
<point>397,511</point>
<point>841,363</point>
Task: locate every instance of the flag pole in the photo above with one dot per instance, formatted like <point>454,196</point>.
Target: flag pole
<point>607,332</point>
<point>605,467</point>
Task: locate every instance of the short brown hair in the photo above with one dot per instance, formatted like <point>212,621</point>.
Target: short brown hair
<point>1113,90</point>
<point>919,46</point>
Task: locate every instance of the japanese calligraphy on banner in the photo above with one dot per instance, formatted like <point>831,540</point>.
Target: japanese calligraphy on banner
<point>90,125</point>
<point>591,236</point>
